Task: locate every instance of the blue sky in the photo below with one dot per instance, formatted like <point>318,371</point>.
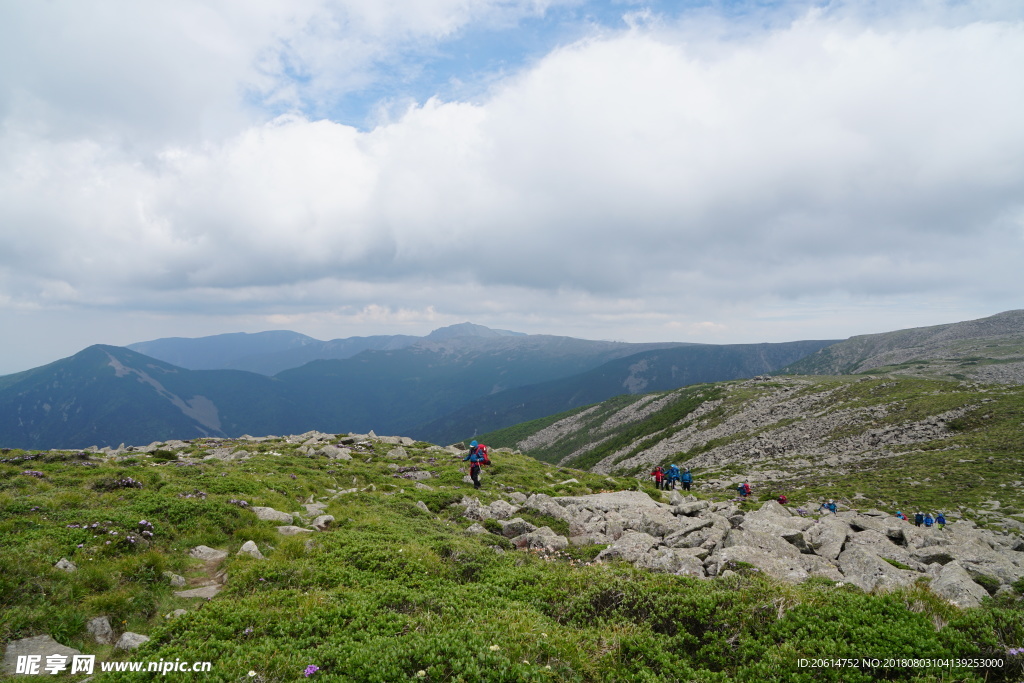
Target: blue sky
<point>716,172</point>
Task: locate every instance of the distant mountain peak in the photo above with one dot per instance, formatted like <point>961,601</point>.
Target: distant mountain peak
<point>470,330</point>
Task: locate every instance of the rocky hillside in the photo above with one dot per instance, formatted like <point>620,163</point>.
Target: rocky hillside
<point>890,442</point>
<point>988,350</point>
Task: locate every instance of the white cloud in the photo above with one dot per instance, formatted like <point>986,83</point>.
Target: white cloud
<point>661,178</point>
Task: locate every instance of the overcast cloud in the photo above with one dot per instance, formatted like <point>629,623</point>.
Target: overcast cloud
<point>716,173</point>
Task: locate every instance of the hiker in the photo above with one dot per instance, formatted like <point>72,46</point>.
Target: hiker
<point>830,506</point>
<point>918,519</point>
<point>744,490</point>
<point>673,476</point>
<point>941,521</point>
<point>476,458</point>
<point>900,515</point>
<point>782,499</point>
<point>659,477</point>
<point>687,479</point>
<point>928,521</point>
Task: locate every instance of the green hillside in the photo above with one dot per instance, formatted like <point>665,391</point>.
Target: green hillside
<point>889,441</point>
<point>396,589</point>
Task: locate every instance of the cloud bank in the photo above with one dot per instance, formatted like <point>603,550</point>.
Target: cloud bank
<point>671,176</point>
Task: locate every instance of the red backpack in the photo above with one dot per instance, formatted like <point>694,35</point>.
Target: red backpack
<point>482,450</point>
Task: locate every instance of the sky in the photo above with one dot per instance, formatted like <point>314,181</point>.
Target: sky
<point>716,171</point>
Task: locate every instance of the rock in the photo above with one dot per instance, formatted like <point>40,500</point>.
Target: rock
<point>543,539</point>
<point>202,552</point>
<point>323,521</point>
<point>99,629</point>
<point>631,546</point>
<point>335,453</point>
<point>423,487</point>
<point>249,548</point>
<point>290,530</point>
<point>690,509</point>
<point>658,522</point>
<point>515,527</point>
<point>677,538</point>
<point>315,508</point>
<point>418,475</point>
<point>784,568</point>
<point>672,561</point>
<point>36,645</point>
<point>271,515</point>
<point>66,565</point>
<point>546,505</point>
<point>423,506</point>
<point>771,544</point>
<point>828,536</point>
<point>501,509</point>
<point>954,584</point>
<point>175,580</point>
<point>397,453</point>
<point>201,592</point>
<point>476,528</point>
<point>868,571</point>
<point>130,641</point>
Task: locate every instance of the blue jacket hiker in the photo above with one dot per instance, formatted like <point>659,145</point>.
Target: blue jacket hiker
<point>687,479</point>
<point>929,520</point>
<point>941,520</point>
<point>673,476</point>
<point>477,456</point>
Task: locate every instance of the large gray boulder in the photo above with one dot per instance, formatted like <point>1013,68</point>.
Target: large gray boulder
<point>541,539</point>
<point>271,515</point>
<point>631,546</point>
<point>679,538</point>
<point>207,554</point>
<point>828,536</point>
<point>36,645</point>
<point>546,505</point>
<point>782,567</point>
<point>516,527</point>
<point>769,543</point>
<point>954,584</point>
<point>868,571</point>
<point>66,565</point>
<point>672,561</point>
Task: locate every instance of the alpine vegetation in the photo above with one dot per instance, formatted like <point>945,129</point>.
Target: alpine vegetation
<point>367,558</point>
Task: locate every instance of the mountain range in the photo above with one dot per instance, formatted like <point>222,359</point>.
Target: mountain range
<point>435,387</point>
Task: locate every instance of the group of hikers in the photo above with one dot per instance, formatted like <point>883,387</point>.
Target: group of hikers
<point>926,519</point>
<point>666,479</point>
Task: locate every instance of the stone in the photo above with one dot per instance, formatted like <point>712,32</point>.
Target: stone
<point>175,614</point>
<point>783,568</point>
<point>335,453</point>
<point>543,538</point>
<point>201,592</point>
<point>690,509</point>
<point>515,527</point>
<point>291,530</point>
<point>397,453</point>
<point>271,515</point>
<point>867,571</point>
<point>476,528</point>
<point>672,561</point>
<point>130,641</point>
<point>249,548</point>
<point>315,508</point>
<point>631,546</point>
<point>36,645</point>
<point>423,506</point>
<point>99,629</point>
<point>175,580</point>
<point>66,565</point>
<point>322,522</point>
<point>955,585</point>
<point>207,554</point>
<point>501,509</point>
<point>423,487</point>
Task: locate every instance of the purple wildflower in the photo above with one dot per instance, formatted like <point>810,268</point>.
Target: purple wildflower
<point>311,669</point>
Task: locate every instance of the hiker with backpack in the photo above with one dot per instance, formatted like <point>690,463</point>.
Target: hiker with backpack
<point>673,476</point>
<point>744,490</point>
<point>477,456</point>
<point>687,478</point>
<point>928,521</point>
<point>918,518</point>
<point>659,477</point>
<point>941,521</point>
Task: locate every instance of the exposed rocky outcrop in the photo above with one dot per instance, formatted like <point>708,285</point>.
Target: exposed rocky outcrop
<point>694,538</point>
